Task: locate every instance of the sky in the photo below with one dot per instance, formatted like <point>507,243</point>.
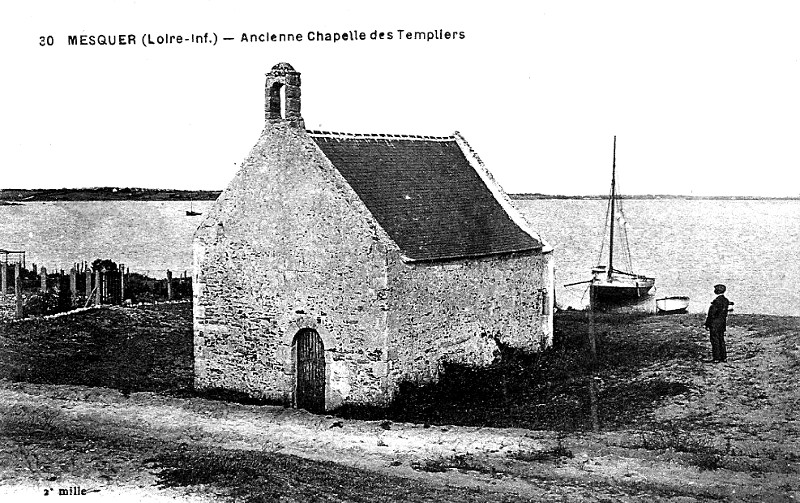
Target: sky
<point>702,96</point>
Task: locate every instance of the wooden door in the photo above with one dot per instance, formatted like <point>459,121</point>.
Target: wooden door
<point>310,365</point>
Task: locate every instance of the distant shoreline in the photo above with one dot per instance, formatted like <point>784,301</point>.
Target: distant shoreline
<point>105,194</point>
<point>15,196</point>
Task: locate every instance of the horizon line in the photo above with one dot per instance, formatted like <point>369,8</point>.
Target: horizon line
<point>513,195</point>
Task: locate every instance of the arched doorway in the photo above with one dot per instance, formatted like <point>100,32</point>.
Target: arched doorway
<point>309,371</point>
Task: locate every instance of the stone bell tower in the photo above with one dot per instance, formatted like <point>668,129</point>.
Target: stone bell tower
<point>283,96</point>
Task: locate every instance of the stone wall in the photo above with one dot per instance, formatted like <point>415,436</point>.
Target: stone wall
<point>288,245</point>
<point>460,310</point>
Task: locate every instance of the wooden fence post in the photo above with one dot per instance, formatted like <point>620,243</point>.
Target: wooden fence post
<point>592,383</point>
<point>18,291</point>
<point>43,279</point>
<point>88,278</point>
<point>169,284</point>
<point>98,298</point>
<point>122,283</point>
<point>73,283</point>
<point>4,278</point>
<point>104,281</point>
<point>592,339</point>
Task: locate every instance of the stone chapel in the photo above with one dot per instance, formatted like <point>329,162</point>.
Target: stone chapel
<point>335,266</point>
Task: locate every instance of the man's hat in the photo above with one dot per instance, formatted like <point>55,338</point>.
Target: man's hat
<point>718,289</point>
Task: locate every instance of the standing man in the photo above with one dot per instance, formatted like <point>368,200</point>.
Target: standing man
<point>715,323</point>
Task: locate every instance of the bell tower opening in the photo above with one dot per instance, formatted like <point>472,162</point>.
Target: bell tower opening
<point>282,98</point>
<point>277,101</point>
<point>283,95</point>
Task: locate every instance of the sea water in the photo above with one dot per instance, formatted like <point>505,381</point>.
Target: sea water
<point>688,245</point>
<point>150,237</point>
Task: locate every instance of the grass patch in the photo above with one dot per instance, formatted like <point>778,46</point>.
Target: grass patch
<point>256,476</point>
<point>702,450</point>
<point>464,462</point>
<point>555,454</point>
<point>148,348</point>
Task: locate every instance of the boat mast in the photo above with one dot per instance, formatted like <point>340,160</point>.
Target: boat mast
<point>613,209</point>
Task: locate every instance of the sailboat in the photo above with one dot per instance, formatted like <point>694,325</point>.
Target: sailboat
<point>190,212</point>
<point>610,284</point>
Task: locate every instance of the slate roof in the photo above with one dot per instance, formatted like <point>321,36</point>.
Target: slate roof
<point>425,194</point>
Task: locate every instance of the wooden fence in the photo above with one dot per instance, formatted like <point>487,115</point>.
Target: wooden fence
<point>37,291</point>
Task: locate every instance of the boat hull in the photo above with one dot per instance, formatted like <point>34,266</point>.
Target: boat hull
<point>621,289</point>
<point>672,305</point>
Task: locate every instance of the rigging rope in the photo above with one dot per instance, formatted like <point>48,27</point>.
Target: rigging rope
<point>605,230</point>
<point>627,254</point>
<point>623,232</point>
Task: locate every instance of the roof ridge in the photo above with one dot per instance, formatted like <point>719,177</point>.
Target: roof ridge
<point>376,136</point>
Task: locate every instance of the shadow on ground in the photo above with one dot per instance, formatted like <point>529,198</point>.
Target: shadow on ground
<point>551,391</point>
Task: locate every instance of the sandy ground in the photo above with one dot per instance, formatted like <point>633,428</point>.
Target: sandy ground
<point>733,435</point>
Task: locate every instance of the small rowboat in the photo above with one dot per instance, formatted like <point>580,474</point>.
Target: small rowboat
<point>672,305</point>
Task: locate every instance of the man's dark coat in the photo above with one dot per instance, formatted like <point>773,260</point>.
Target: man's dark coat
<point>718,314</point>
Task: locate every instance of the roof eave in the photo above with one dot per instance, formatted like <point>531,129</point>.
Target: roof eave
<point>411,260</point>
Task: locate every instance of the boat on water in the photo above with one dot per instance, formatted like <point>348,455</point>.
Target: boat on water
<point>190,212</point>
<point>672,305</point>
<point>609,283</point>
